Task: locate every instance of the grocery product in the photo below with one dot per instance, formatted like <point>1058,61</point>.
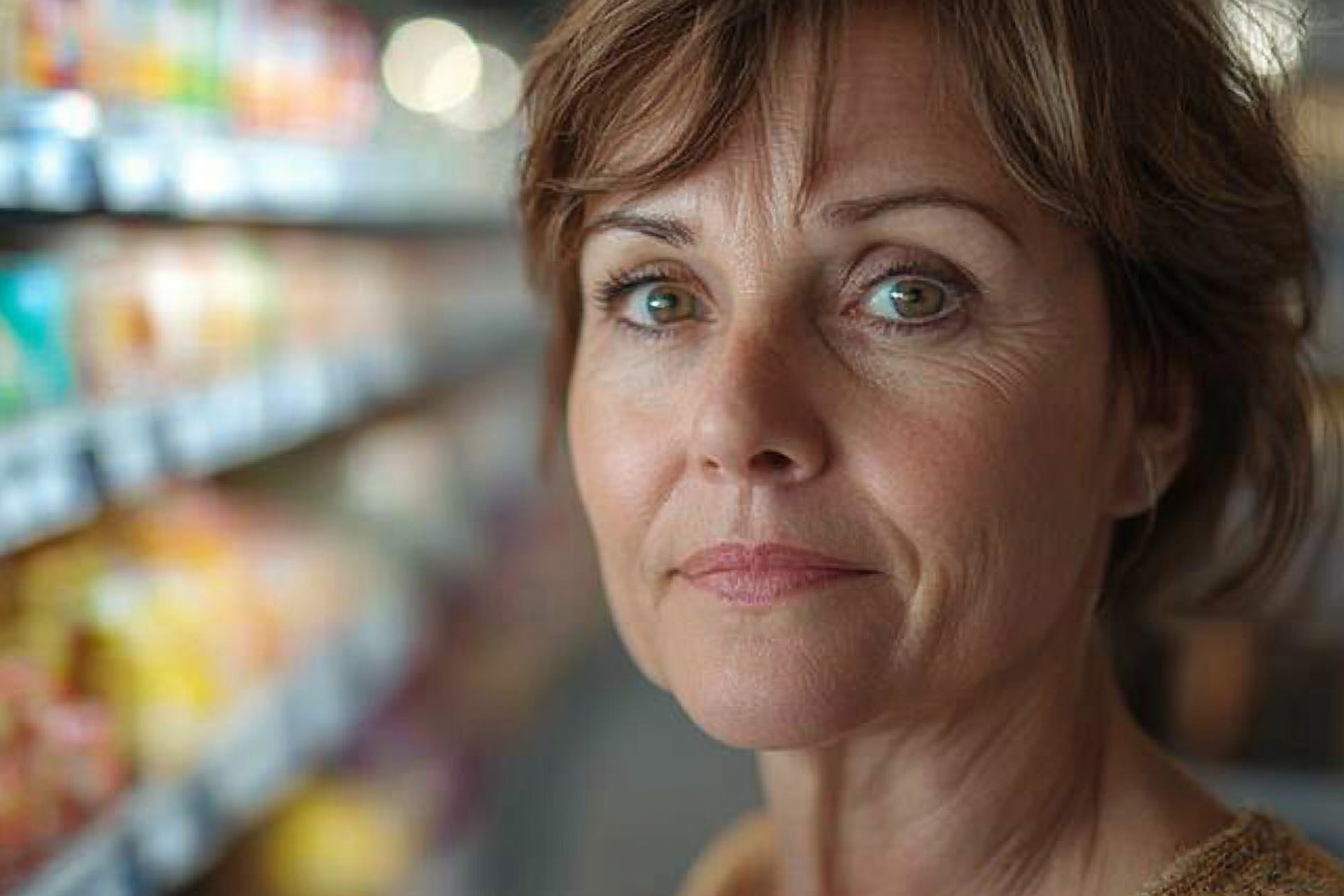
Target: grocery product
<point>338,838</point>
<point>300,69</point>
<point>53,43</point>
<point>124,649</point>
<point>35,314</point>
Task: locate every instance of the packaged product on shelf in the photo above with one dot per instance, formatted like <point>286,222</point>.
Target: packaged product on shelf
<point>157,72</point>
<point>117,336</point>
<point>167,617</point>
<point>305,280</point>
<point>351,77</point>
<point>27,816</point>
<point>197,51</point>
<point>11,45</point>
<point>133,312</point>
<point>35,314</point>
<point>102,49</point>
<point>53,40</point>
<point>258,88</point>
<point>60,761</point>
<point>158,308</point>
<point>238,326</point>
<point>300,54</point>
<point>338,838</point>
<point>78,752</point>
<point>12,400</point>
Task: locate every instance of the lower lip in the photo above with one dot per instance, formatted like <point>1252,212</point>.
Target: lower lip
<point>764,588</point>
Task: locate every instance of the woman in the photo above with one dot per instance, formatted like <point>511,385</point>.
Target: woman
<point>900,347</point>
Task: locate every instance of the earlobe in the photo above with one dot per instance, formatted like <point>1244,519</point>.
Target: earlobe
<point>1159,448</point>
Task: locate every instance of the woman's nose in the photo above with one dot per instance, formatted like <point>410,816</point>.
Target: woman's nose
<point>756,424</point>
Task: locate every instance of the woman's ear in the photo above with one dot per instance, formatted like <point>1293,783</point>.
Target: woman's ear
<point>1157,447</point>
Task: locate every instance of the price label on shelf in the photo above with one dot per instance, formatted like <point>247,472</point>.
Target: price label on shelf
<point>299,395</point>
<point>59,175</point>
<point>168,834</point>
<point>11,174</point>
<point>254,762</point>
<point>322,703</point>
<point>295,183</point>
<point>394,369</point>
<point>382,641</point>
<point>60,496</point>
<point>41,484</point>
<point>123,438</point>
<point>211,180</point>
<point>94,865</point>
<point>133,174</point>
<point>189,431</point>
<point>239,417</point>
<point>346,390</point>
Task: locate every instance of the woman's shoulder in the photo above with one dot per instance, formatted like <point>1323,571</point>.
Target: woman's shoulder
<point>740,862</point>
<point>1257,855</point>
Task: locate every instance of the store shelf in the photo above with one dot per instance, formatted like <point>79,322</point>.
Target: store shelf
<point>63,153</point>
<point>59,470</point>
<point>164,834</point>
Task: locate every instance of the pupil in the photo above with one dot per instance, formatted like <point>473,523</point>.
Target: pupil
<point>915,300</point>
<point>663,306</point>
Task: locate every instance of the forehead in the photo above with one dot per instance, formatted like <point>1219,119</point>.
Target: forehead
<point>897,116</point>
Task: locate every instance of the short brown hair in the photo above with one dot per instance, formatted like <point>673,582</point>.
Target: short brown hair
<point>1140,122</point>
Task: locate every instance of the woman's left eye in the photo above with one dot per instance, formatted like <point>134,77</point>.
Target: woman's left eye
<point>909,300</point>
<point>654,305</point>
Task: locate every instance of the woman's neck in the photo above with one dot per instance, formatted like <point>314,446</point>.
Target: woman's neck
<point>1043,787</point>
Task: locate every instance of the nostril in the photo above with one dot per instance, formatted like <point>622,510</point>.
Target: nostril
<point>771,462</point>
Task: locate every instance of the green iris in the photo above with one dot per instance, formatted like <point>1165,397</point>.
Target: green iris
<point>909,298</point>
<point>669,305</point>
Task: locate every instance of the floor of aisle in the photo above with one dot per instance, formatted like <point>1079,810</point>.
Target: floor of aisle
<point>615,792</point>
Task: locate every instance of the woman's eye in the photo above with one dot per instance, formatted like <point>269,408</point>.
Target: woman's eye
<point>659,305</point>
<point>911,300</point>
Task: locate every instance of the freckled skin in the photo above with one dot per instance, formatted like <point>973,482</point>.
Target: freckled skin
<point>973,468</point>
<point>976,468</point>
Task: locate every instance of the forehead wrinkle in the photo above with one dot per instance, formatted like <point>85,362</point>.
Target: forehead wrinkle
<point>767,162</point>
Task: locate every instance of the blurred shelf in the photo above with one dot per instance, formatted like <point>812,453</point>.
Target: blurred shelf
<point>1313,801</point>
<point>59,470</point>
<point>163,834</point>
<point>63,153</point>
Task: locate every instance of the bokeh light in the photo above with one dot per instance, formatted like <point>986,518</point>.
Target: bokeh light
<point>431,65</point>
<point>494,103</point>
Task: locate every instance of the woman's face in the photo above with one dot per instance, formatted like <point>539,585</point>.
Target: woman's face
<point>847,466</point>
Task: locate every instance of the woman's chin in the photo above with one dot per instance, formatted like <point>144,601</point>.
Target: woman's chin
<point>773,708</point>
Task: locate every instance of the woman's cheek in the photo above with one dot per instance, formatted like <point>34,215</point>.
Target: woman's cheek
<point>623,467</point>
<point>988,475</point>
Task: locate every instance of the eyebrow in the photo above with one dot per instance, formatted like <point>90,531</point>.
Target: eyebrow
<point>845,213</point>
<point>849,212</point>
<point>669,230</point>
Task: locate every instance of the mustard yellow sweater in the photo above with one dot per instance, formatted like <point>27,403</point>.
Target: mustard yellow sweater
<point>1257,855</point>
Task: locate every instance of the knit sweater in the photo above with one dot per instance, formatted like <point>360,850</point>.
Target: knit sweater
<point>1257,855</point>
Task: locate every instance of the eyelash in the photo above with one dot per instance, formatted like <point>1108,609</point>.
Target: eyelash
<point>619,285</point>
<point>961,287</point>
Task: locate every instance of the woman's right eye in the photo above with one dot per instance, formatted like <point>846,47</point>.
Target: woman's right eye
<point>653,306</point>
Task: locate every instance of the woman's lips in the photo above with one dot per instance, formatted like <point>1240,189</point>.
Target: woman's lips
<point>760,575</point>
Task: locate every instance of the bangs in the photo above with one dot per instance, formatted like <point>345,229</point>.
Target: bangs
<point>691,80</point>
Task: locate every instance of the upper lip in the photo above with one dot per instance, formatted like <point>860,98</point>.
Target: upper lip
<point>762,558</point>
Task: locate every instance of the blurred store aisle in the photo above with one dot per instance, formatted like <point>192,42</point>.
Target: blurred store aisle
<point>614,793</point>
